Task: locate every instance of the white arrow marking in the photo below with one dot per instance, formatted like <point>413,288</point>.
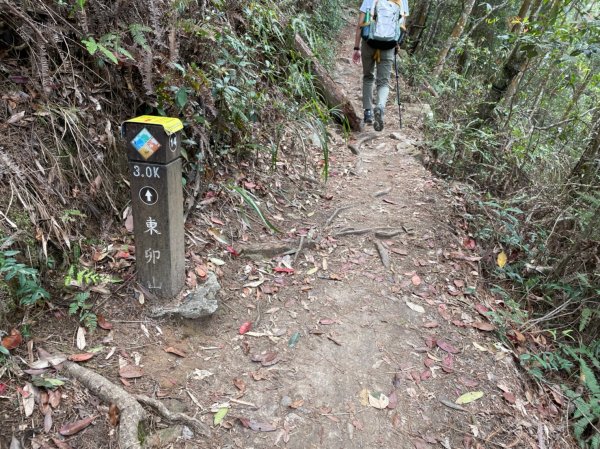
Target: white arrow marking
<point>148,196</point>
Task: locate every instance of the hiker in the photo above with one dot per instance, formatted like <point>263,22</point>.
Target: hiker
<point>378,32</point>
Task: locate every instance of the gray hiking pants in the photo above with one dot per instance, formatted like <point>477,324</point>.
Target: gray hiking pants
<point>381,80</point>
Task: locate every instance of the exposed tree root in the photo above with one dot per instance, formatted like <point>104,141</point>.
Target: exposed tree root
<point>131,412</point>
<point>355,147</point>
<point>268,250</point>
<point>389,234</point>
<point>344,232</point>
<point>300,246</point>
<point>336,212</point>
<point>383,254</point>
<point>180,418</point>
<point>382,192</point>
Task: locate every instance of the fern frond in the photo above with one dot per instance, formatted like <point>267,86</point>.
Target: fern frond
<point>137,31</point>
<point>587,374</point>
<point>586,317</point>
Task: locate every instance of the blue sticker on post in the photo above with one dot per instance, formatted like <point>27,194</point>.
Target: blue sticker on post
<point>145,143</point>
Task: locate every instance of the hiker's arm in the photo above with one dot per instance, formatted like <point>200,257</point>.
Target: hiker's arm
<point>359,25</point>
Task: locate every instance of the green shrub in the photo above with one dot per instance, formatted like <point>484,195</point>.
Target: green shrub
<point>22,280</point>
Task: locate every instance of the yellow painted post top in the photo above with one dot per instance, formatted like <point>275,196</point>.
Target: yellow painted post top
<point>170,124</point>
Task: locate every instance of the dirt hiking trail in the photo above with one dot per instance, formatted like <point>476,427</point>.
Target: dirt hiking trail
<point>364,338</point>
<point>371,340</point>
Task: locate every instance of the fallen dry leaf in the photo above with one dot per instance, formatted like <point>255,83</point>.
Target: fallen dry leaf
<point>431,324</point>
<point>448,363</point>
<point>81,357</point>
<point>60,444</point>
<point>469,397</point>
<point>364,397</point>
<point>28,398</point>
<point>393,400</point>
<point>260,374</point>
<point>81,343</point>
<point>501,259</point>
<point>54,397</point>
<point>13,340</point>
<point>266,359</point>
<point>113,415</point>
<point>297,403</point>
<point>483,326</point>
<point>396,420</point>
<point>420,444</point>
<point>509,397</point>
<point>130,372</point>
<point>179,352</point>
<point>77,426</point>
<point>256,425</point>
<point>416,307</point>
<point>239,384</point>
<point>483,310</point>
<point>48,421</point>
<point>447,347</point>
<point>103,324</point>
<point>467,382</point>
<point>469,243</point>
<point>378,400</point>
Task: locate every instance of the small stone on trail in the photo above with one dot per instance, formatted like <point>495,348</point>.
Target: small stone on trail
<point>199,303</point>
<point>164,437</point>
<point>396,136</point>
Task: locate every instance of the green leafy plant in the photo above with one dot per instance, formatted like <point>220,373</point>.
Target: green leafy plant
<point>109,45</point>
<point>250,201</point>
<point>81,278</point>
<point>582,388</point>
<point>80,306</point>
<point>77,278</point>
<point>138,34</point>
<point>23,280</point>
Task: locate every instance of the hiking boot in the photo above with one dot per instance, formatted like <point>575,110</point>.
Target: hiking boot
<point>378,125</point>
<point>368,116</point>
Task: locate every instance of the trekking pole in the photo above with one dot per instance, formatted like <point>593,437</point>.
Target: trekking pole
<point>398,87</point>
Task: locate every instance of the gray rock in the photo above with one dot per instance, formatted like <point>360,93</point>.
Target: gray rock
<point>187,433</point>
<point>201,302</point>
<point>175,405</point>
<point>164,437</point>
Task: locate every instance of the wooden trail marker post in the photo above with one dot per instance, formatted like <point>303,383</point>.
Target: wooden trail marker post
<point>153,152</point>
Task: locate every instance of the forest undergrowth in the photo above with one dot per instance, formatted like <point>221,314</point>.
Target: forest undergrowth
<point>515,91</point>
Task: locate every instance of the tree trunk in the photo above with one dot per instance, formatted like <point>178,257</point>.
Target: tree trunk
<point>416,25</point>
<point>586,169</point>
<point>454,37</point>
<point>577,94</point>
<point>509,71</point>
<point>504,77</point>
<point>334,96</point>
<point>518,24</point>
<point>432,31</point>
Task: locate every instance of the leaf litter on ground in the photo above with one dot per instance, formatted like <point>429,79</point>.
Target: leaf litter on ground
<point>469,397</point>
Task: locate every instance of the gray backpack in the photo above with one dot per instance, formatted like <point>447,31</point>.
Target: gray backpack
<point>384,30</point>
